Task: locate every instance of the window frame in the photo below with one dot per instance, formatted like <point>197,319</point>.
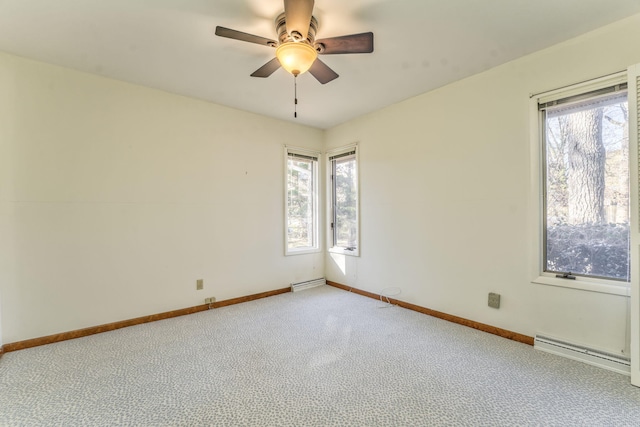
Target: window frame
<point>331,235</point>
<point>538,163</point>
<point>304,153</point>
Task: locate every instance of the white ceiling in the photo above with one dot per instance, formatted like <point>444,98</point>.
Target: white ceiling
<point>170,45</point>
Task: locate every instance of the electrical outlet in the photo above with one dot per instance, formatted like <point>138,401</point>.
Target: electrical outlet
<point>210,300</point>
<point>494,300</point>
<point>199,284</point>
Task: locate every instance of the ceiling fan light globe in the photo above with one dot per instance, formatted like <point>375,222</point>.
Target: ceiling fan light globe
<point>296,58</point>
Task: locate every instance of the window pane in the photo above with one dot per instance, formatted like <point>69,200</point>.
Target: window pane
<point>345,203</point>
<point>300,204</point>
<point>587,188</point>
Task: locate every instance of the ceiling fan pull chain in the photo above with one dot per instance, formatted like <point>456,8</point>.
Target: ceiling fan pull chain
<point>295,96</point>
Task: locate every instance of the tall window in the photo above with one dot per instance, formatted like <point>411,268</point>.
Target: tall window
<point>586,184</point>
<point>344,204</point>
<point>301,232</point>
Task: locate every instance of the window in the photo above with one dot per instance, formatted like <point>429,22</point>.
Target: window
<point>585,184</point>
<point>344,204</point>
<point>301,227</point>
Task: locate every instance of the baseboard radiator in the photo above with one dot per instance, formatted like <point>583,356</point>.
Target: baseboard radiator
<point>591,356</point>
<point>301,286</point>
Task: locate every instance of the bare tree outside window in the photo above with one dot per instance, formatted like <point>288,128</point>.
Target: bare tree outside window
<point>301,209</point>
<point>345,194</point>
<point>587,187</point>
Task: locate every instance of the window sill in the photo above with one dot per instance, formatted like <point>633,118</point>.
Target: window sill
<point>303,251</point>
<point>584,284</point>
<point>343,251</point>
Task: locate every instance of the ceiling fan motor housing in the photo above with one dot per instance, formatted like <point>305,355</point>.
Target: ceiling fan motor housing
<point>284,37</point>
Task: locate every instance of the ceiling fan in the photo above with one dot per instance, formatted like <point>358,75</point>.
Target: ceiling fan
<point>297,48</point>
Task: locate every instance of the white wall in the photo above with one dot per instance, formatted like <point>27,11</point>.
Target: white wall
<point>446,205</point>
<point>115,199</point>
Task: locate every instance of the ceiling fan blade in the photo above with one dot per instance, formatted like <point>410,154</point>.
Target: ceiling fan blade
<point>322,72</point>
<point>267,69</point>
<point>245,37</point>
<point>297,14</point>
<point>354,43</point>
